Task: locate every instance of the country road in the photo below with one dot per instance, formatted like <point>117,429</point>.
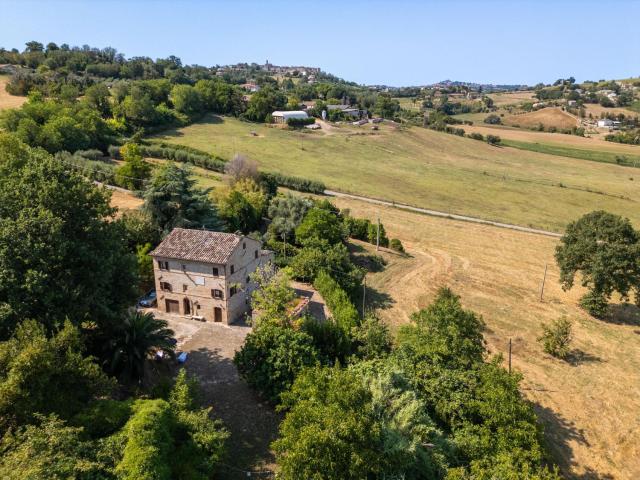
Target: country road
<point>436,213</point>
<point>424,211</point>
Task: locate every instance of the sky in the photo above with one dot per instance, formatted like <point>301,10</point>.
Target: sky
<point>402,42</point>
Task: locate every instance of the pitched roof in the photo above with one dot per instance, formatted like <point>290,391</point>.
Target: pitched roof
<point>197,245</point>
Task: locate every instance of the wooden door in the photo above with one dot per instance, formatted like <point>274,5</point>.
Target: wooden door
<point>187,306</point>
<point>217,314</point>
<point>173,306</point>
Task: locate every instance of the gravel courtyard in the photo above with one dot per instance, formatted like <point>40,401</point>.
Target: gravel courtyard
<point>253,423</point>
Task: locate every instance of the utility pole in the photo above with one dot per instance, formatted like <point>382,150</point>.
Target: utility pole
<point>378,236</point>
<point>364,295</point>
<point>544,278</point>
<point>509,356</point>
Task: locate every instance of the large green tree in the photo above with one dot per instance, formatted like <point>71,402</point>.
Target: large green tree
<point>605,249</point>
<point>272,356</point>
<point>71,260</point>
<point>41,375</point>
<point>173,200</point>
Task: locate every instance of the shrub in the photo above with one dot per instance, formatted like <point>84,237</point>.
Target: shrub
<point>114,151</point>
<point>92,154</point>
<point>396,245</point>
<point>476,136</point>
<point>343,311</point>
<point>557,337</point>
<point>493,140</point>
<point>595,304</point>
<point>272,356</point>
<point>300,122</point>
<point>493,119</point>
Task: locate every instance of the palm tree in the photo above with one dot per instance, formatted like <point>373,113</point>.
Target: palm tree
<point>139,335</point>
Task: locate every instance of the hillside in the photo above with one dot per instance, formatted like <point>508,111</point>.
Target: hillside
<point>549,117</point>
<point>428,169</point>
<point>7,100</point>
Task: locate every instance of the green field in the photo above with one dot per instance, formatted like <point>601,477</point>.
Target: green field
<point>429,169</point>
<point>592,155</point>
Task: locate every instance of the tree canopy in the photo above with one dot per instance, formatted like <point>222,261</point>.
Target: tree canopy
<point>605,249</point>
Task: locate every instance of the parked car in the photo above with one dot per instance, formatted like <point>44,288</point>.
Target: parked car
<point>149,299</point>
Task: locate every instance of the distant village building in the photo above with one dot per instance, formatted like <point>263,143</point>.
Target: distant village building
<point>206,274</point>
<point>605,123</point>
<point>251,87</point>
<point>283,116</point>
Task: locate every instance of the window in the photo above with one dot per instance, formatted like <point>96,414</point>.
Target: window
<point>244,245</point>
<point>248,279</point>
<point>162,265</point>
<point>184,267</point>
<point>165,286</point>
<point>184,287</point>
<point>256,254</point>
<point>232,291</point>
<point>233,269</point>
<point>216,293</point>
<point>216,272</point>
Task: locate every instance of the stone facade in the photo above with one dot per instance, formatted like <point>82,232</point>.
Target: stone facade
<point>213,292</point>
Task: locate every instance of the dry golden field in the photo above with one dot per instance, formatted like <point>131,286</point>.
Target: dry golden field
<point>511,98</point>
<point>124,201</point>
<point>6,100</point>
<point>590,407</point>
<point>549,117</point>
<point>595,142</point>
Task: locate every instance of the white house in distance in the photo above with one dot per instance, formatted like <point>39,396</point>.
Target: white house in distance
<point>283,116</point>
<point>605,123</point>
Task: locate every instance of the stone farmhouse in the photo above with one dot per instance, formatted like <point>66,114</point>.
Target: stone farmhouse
<point>206,274</point>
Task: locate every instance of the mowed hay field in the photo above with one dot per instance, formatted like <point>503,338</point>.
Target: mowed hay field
<point>7,100</point>
<point>549,117</point>
<point>509,98</point>
<point>590,407</point>
<point>428,169</point>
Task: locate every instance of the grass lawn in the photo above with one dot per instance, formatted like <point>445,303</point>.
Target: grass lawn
<point>427,169</point>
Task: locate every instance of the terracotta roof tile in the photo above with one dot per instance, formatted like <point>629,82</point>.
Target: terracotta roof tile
<point>197,245</point>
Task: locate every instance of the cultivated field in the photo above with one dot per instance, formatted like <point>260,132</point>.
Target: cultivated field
<point>549,117</point>
<point>596,110</point>
<point>511,98</point>
<point>6,100</point>
<point>589,406</point>
<point>429,169</point>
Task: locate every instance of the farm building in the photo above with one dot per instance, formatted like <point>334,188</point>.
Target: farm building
<point>346,109</point>
<point>283,116</point>
<point>605,123</point>
<point>206,274</point>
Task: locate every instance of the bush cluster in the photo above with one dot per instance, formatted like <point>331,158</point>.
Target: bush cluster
<point>343,311</point>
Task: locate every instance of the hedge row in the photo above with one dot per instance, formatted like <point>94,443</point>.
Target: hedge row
<point>179,153</point>
<point>92,169</point>
<point>294,183</point>
<point>343,311</point>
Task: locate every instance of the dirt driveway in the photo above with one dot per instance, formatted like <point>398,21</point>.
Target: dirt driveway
<point>253,424</point>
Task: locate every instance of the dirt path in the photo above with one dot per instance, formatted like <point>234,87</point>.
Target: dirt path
<point>437,213</point>
<point>253,423</point>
